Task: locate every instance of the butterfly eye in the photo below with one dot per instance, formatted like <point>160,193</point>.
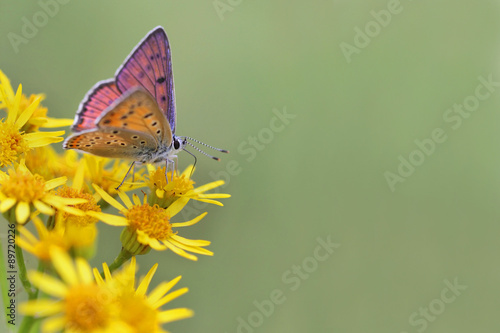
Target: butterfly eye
<point>177,144</point>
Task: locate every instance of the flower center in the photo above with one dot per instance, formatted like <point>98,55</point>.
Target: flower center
<point>23,186</point>
<point>177,187</point>
<point>12,144</point>
<point>90,205</point>
<point>87,308</point>
<point>152,220</point>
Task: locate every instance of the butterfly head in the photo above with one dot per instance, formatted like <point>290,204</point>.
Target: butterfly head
<point>178,144</point>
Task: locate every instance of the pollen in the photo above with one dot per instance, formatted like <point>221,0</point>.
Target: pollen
<point>23,186</point>
<point>152,220</point>
<point>87,308</point>
<point>90,205</point>
<point>12,144</point>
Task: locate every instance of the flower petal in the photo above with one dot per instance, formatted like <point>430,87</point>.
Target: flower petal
<point>177,206</point>
<point>109,199</point>
<point>173,295</point>
<point>143,286</point>
<point>27,113</point>
<point>125,199</point>
<point>54,324</point>
<point>84,271</point>
<point>41,307</point>
<point>190,242</point>
<point>64,266</point>
<point>109,218</point>
<point>180,252</point>
<point>163,288</point>
<point>22,212</point>
<point>7,204</point>
<point>48,284</point>
<point>208,186</point>
<point>43,208</point>
<point>174,314</point>
<point>189,223</point>
<point>53,183</point>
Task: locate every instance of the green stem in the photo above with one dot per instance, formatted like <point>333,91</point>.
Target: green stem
<point>23,275</point>
<point>51,222</point>
<point>28,321</point>
<point>122,257</point>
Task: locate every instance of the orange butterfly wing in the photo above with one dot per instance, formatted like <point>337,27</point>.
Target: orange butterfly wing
<point>137,111</point>
<point>132,127</point>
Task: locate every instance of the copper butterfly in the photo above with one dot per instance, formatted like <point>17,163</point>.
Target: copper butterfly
<point>133,115</point>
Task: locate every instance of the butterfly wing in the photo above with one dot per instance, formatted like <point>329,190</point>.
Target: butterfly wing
<point>98,99</point>
<point>111,143</point>
<point>131,127</point>
<point>150,66</point>
<point>137,112</point>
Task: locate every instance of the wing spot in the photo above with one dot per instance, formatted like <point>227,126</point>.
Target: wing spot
<point>124,117</point>
<point>158,131</point>
<point>163,98</point>
<point>148,115</point>
<point>135,137</point>
<point>111,136</point>
<point>115,140</point>
<point>114,132</point>
<point>122,143</point>
<point>148,67</point>
<point>88,145</point>
<point>161,80</point>
<point>151,57</point>
<point>97,138</point>
<point>108,143</point>
<point>135,147</point>
<point>154,123</point>
<point>125,124</point>
<point>143,142</point>
<point>107,121</point>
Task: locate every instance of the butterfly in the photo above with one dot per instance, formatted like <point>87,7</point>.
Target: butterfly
<point>133,116</point>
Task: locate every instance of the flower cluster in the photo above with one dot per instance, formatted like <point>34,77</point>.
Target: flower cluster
<point>65,196</point>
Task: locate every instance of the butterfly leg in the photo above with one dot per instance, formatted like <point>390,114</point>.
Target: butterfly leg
<point>173,167</point>
<point>126,175</point>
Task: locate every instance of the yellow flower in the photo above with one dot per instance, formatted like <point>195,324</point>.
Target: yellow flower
<point>150,226</point>
<point>48,239</point>
<point>38,118</point>
<point>23,190</point>
<point>82,305</point>
<point>46,162</point>
<point>13,141</point>
<point>180,188</point>
<point>139,311</point>
<point>108,177</point>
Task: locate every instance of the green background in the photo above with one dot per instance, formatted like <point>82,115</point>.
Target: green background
<point>323,175</point>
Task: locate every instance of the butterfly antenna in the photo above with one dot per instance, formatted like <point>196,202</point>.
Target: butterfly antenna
<point>204,144</point>
<point>195,160</point>
<point>201,151</point>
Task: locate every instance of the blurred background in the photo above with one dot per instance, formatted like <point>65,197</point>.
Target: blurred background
<point>365,162</point>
